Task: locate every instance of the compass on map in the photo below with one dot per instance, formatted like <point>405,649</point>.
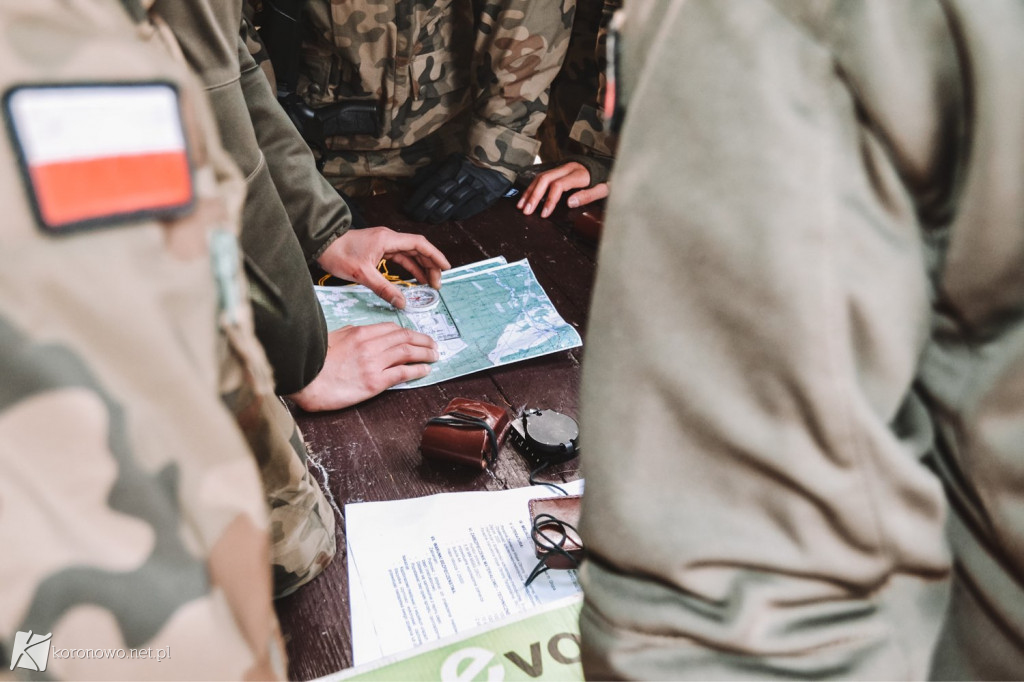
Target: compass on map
<point>421,299</point>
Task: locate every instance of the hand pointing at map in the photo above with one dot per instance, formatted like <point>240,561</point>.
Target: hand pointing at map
<point>354,256</point>
<point>363,361</point>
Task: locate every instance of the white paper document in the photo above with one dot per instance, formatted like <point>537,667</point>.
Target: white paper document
<point>428,567</point>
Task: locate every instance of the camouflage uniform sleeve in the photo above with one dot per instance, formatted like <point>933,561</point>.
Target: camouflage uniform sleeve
<point>317,212</point>
<point>132,521</point>
<point>574,129</point>
<point>520,46</point>
<point>589,130</point>
<point>590,133</point>
<point>302,527</point>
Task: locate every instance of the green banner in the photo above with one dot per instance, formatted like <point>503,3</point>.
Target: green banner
<point>542,645</point>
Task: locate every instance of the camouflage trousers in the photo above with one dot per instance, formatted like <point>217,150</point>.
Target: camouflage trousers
<point>302,527</point>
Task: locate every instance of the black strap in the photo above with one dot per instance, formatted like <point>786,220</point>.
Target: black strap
<point>552,545</point>
<point>536,470</point>
<point>461,420</point>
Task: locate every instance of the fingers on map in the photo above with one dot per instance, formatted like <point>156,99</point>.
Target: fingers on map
<point>487,314</point>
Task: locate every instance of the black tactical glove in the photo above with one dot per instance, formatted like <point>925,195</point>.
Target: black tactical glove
<point>454,190</point>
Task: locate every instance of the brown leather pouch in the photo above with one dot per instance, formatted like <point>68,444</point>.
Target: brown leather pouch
<point>588,222</point>
<point>460,434</point>
<point>554,521</point>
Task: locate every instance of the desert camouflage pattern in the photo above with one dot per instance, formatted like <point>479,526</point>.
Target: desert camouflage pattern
<point>449,75</point>
<point>132,513</point>
<point>574,124</point>
<point>301,521</point>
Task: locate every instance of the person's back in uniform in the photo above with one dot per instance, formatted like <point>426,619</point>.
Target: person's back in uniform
<point>827,202</point>
<point>132,515</point>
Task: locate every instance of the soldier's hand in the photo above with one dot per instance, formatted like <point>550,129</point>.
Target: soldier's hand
<point>455,190</point>
<point>557,181</point>
<point>354,256</point>
<point>364,361</point>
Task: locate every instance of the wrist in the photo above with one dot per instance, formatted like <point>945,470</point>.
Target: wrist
<point>597,168</point>
<point>332,258</point>
<point>318,255</point>
<point>310,398</point>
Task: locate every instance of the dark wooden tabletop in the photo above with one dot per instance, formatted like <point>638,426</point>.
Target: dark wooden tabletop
<point>370,452</point>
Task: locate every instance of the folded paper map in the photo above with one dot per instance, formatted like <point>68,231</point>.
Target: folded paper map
<point>490,313</point>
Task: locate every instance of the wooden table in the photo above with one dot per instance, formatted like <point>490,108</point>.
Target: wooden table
<point>370,452</point>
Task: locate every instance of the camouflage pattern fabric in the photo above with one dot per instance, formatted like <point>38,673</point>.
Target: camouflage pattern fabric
<point>574,125</point>
<point>589,131</point>
<point>251,38</point>
<point>451,75</point>
<point>577,93</point>
<point>302,523</point>
<point>131,512</point>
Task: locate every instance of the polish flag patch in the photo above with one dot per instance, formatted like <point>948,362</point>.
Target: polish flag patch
<point>98,154</point>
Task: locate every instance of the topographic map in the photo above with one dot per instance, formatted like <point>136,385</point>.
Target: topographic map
<point>490,313</point>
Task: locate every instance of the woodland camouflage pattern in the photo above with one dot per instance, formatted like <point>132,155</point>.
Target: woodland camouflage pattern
<point>132,513</point>
<point>414,57</point>
<point>301,521</point>
<point>252,41</point>
<point>574,125</point>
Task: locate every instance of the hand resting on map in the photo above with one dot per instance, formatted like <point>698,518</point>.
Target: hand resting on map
<point>364,361</point>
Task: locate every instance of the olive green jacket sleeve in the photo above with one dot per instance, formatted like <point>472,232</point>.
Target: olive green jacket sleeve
<point>317,212</point>
<point>289,322</point>
<point>520,45</point>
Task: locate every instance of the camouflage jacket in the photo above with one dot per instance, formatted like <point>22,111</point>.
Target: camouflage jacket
<point>475,72</point>
<point>574,126</point>
<point>132,517</point>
